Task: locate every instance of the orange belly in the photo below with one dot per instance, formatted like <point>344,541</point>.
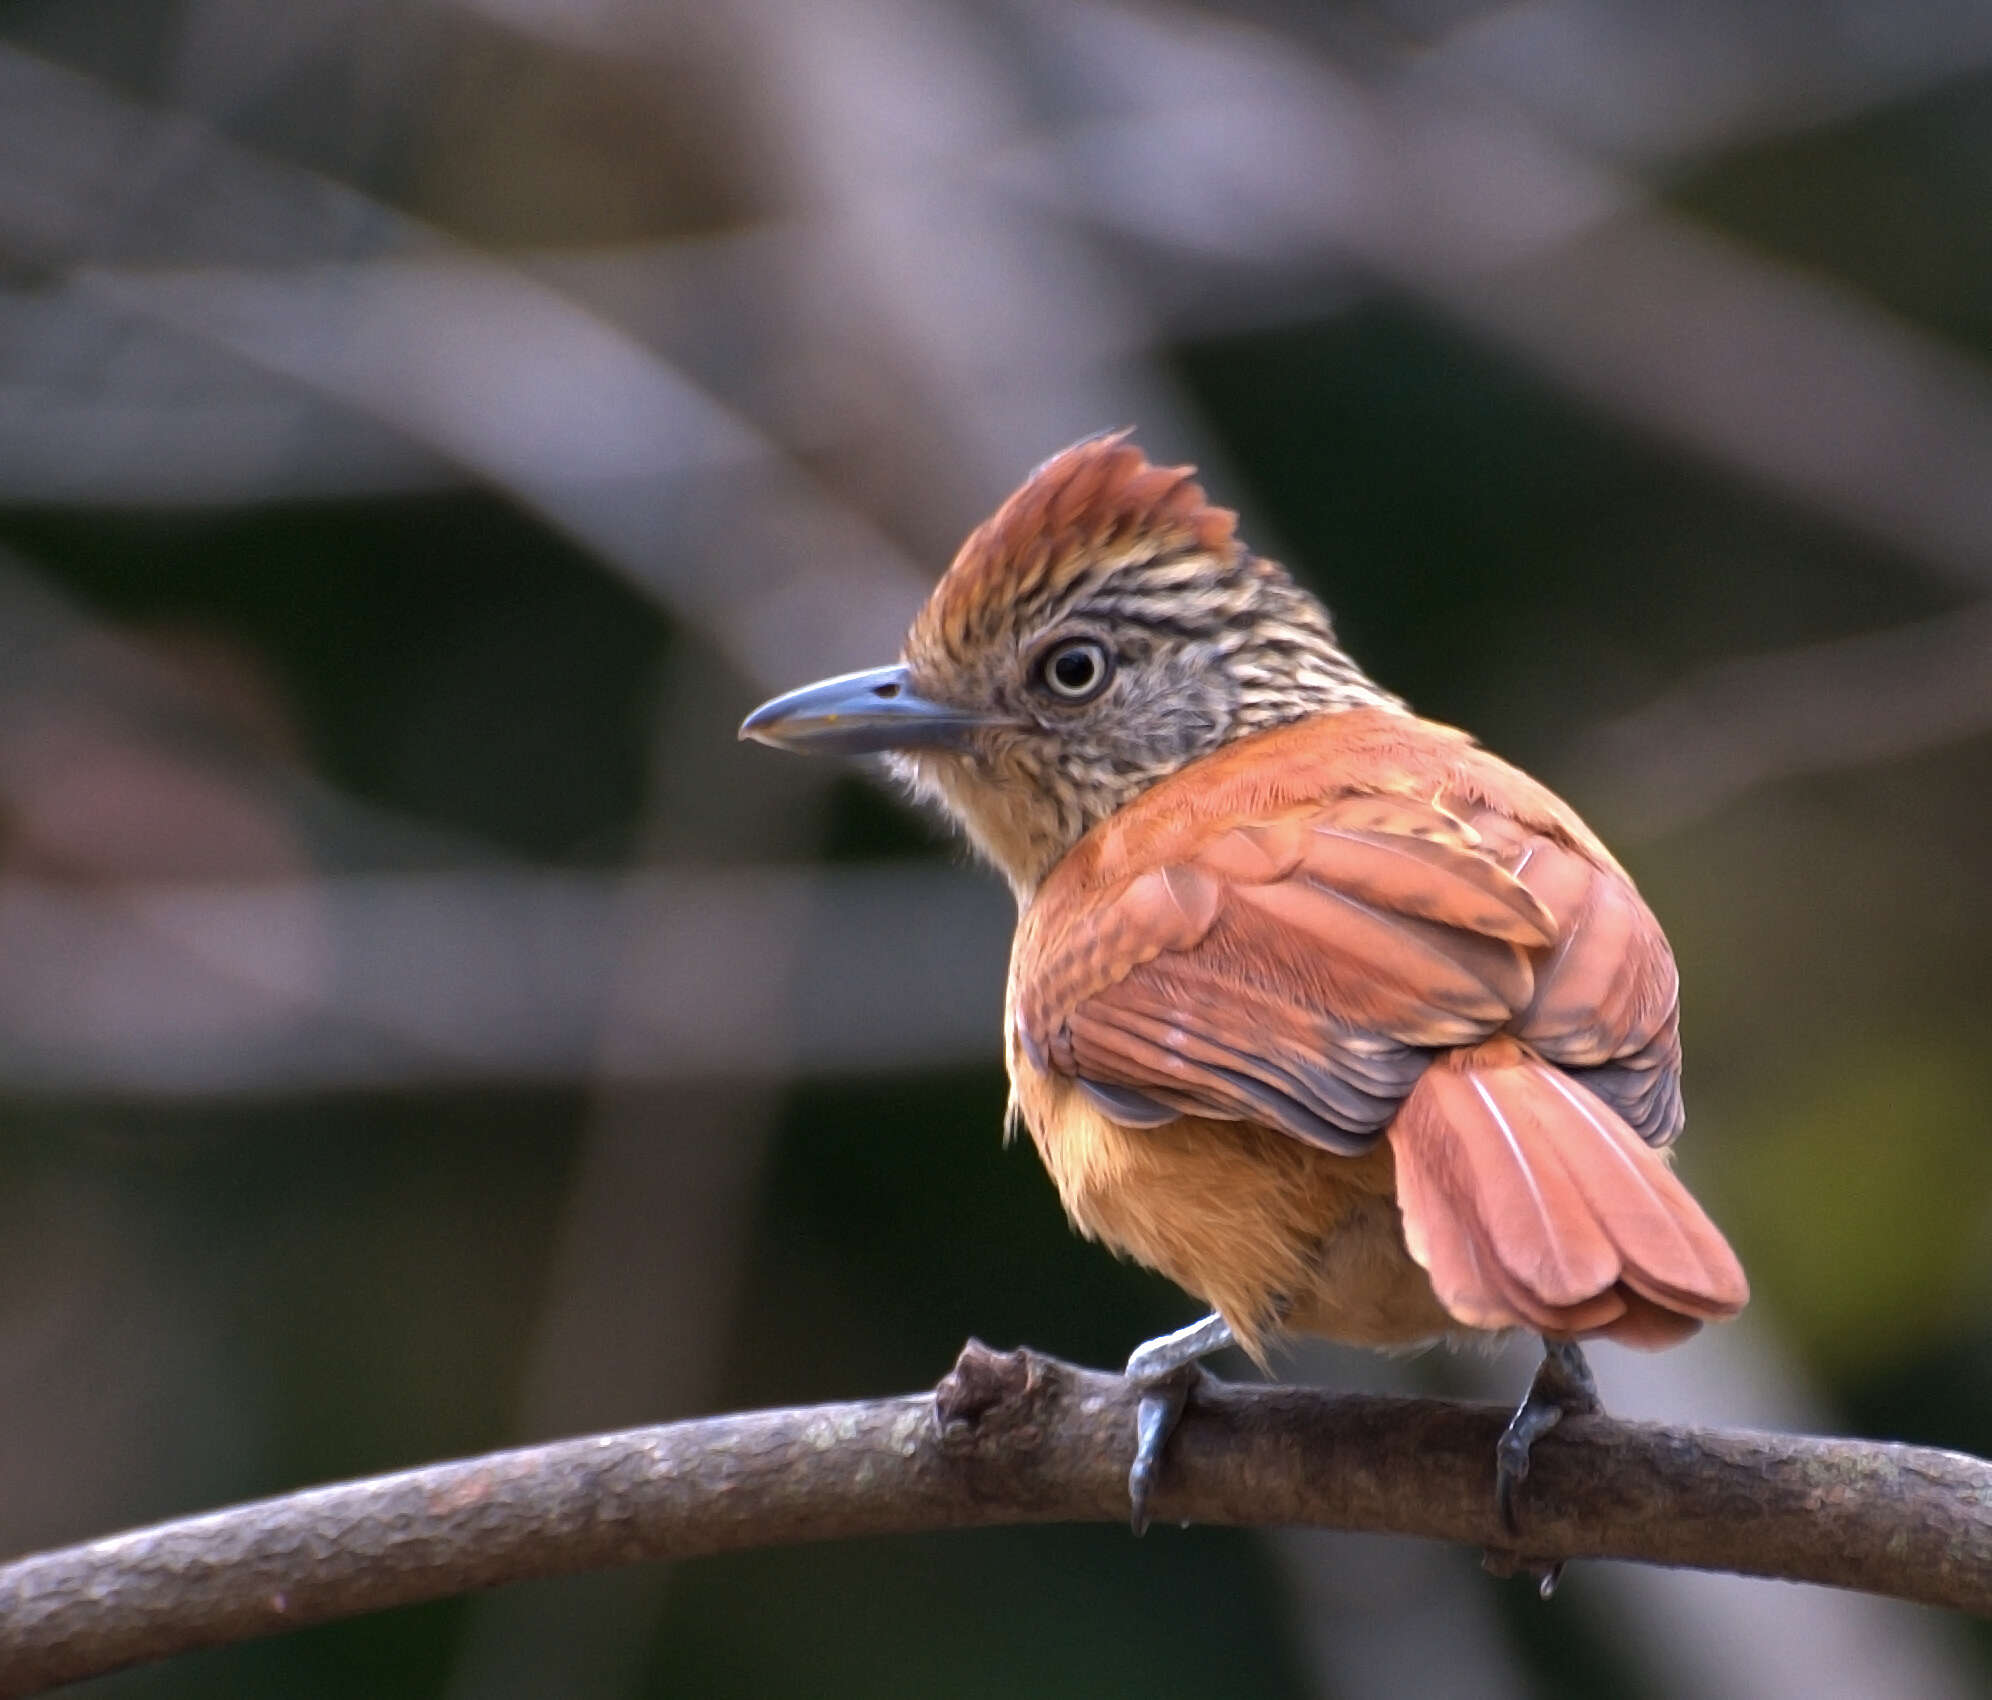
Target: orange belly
<point>1276,1235</point>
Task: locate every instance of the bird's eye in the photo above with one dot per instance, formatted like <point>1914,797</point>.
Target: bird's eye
<point>1076,671</point>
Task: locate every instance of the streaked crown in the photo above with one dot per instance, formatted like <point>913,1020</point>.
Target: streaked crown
<point>1093,511</point>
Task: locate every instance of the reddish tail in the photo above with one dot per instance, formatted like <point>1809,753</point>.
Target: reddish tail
<point>1531,1204</point>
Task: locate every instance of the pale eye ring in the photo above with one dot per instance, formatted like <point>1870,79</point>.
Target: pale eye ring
<point>1076,670</point>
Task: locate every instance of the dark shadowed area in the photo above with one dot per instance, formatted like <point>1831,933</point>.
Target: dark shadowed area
<point>427,426</point>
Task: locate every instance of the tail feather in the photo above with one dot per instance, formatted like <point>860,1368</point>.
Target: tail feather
<point>1650,1326</point>
<point>1673,1254</point>
<point>1532,1204</point>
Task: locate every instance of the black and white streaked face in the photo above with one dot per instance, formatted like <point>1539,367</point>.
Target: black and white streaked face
<point>1131,673</point>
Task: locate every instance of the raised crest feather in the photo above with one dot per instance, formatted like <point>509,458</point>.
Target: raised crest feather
<point>1094,505</point>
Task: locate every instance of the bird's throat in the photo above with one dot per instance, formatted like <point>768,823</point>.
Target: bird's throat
<point>1020,829</point>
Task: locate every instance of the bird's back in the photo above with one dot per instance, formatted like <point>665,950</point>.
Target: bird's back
<point>1351,1027</point>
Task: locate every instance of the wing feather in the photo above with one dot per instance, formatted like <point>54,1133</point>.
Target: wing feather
<point>1364,924</point>
<point>1607,994</point>
<point>1232,951</point>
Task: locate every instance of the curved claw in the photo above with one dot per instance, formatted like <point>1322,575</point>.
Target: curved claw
<point>1562,1388</point>
<point>1155,1419</point>
<point>1165,1369</point>
<point>1511,1457</point>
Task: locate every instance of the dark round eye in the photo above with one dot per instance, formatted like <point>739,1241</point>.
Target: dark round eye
<point>1076,671</point>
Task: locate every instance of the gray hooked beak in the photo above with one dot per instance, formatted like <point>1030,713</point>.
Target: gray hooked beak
<point>860,714</point>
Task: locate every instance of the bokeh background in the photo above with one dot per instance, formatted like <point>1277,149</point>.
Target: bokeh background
<point>426,426</point>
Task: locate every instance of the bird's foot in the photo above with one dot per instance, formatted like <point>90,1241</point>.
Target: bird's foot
<point>1563,1387</point>
<point>1155,1419</point>
<point>1165,1369</point>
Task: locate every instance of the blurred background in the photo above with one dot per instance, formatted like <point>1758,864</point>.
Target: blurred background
<point>426,426</point>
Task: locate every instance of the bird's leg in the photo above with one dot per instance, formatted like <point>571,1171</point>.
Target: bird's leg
<point>1163,1368</point>
<point>1562,1388</point>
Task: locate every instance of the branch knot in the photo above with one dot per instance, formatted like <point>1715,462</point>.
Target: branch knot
<point>987,1390</point>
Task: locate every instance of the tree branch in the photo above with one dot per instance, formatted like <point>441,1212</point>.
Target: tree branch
<point>1006,1438</point>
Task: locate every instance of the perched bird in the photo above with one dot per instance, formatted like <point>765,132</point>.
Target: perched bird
<point>1340,1022</point>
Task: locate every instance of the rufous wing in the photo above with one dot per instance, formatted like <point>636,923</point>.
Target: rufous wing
<point>1429,944</point>
<point>1607,995</point>
<point>1296,971</point>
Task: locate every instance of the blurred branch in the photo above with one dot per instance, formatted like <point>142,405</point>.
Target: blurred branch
<point>1659,86</point>
<point>1006,1438</point>
<point>475,975</point>
<point>459,353</point>
<point>82,668</point>
<point>580,423</point>
<point>1281,160</point>
<point>1810,710</point>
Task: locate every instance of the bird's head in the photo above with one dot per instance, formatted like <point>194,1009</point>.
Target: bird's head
<point>1103,628</point>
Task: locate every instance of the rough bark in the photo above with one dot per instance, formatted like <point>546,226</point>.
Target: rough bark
<point>1007,1437</point>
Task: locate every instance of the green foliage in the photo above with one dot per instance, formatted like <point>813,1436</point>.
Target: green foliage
<point>1859,1192</point>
